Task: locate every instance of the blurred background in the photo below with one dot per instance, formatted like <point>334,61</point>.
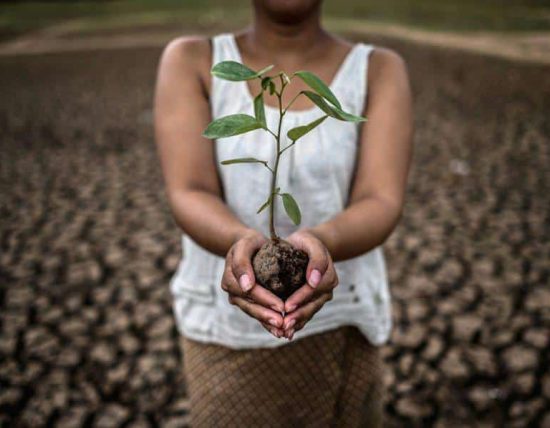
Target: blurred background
<point>87,245</point>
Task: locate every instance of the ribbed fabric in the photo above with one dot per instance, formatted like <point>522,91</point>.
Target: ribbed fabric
<point>318,172</point>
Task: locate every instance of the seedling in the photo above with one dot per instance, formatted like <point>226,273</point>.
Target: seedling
<point>277,265</point>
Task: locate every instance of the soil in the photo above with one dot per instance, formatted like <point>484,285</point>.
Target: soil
<point>280,267</point>
<point>88,247</point>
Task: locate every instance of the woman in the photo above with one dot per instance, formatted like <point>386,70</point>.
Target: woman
<point>350,182</point>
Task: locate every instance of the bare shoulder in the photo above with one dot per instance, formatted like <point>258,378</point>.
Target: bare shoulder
<point>387,66</point>
<point>187,49</point>
<point>189,54</point>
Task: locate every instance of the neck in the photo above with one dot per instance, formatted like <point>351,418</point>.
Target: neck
<point>291,38</point>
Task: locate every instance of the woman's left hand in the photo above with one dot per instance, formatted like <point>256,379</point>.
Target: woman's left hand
<point>321,280</point>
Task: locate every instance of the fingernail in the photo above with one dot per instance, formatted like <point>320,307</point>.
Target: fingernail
<point>274,322</point>
<point>274,332</point>
<point>290,324</point>
<point>277,309</point>
<point>314,278</point>
<point>290,334</point>
<point>245,283</point>
<point>291,308</point>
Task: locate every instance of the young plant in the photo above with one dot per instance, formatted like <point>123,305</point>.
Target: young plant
<point>277,265</point>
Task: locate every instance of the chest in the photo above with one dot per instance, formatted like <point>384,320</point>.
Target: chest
<point>317,170</point>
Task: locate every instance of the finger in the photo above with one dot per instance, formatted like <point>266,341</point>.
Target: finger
<point>298,319</point>
<point>259,295</point>
<point>305,293</point>
<point>241,263</point>
<point>261,313</point>
<point>266,298</point>
<point>330,278</point>
<point>319,258</point>
<point>301,296</point>
<point>277,332</point>
<point>229,283</point>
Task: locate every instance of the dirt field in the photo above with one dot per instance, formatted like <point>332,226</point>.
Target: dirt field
<point>88,246</point>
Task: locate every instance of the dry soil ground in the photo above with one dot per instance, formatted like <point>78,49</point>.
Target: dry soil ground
<point>88,246</point>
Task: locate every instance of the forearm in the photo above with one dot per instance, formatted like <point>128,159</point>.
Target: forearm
<point>207,220</point>
<point>359,228</point>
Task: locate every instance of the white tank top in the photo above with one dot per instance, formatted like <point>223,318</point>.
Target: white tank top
<point>317,171</point>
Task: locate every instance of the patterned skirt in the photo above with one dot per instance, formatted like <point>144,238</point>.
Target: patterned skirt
<point>331,379</point>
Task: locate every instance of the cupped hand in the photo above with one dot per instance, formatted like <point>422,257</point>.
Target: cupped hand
<point>239,282</point>
<point>321,280</point>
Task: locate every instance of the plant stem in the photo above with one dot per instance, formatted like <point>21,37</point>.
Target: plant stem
<point>292,101</point>
<point>279,94</point>
<point>287,147</point>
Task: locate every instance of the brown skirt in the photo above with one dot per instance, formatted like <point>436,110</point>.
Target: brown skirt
<point>332,379</point>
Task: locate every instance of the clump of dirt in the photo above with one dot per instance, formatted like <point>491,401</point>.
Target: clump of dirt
<point>280,267</point>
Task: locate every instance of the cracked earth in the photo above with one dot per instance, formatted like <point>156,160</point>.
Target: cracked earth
<point>87,336</point>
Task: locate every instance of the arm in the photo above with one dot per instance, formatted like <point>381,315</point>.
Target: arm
<point>378,189</point>
<point>377,192</point>
<point>188,163</point>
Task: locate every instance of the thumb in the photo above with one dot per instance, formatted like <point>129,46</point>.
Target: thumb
<point>317,266</point>
<point>318,258</point>
<point>242,264</point>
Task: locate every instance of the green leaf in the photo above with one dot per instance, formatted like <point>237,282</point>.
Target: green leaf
<point>332,111</point>
<point>269,201</point>
<point>265,204</point>
<point>265,70</point>
<point>242,160</point>
<point>319,102</point>
<point>267,83</point>
<point>318,86</point>
<point>233,124</point>
<point>300,131</point>
<point>348,117</point>
<point>259,109</point>
<point>235,71</point>
<point>232,70</point>
<point>291,208</point>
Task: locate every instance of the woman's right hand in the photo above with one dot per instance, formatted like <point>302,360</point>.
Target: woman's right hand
<point>239,282</point>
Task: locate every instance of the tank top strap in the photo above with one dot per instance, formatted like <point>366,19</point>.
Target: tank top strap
<point>224,92</point>
<point>351,79</point>
<point>349,83</point>
<point>224,48</point>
